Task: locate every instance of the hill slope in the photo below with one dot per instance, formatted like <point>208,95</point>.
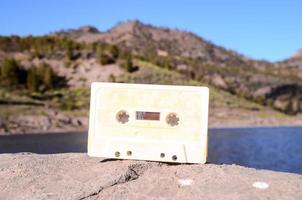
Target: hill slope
<point>45,80</point>
<point>261,81</point>
<point>143,39</point>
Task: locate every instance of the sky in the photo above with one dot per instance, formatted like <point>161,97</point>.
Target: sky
<point>261,29</point>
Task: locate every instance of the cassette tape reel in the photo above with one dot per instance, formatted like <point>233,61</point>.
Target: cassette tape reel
<point>148,122</point>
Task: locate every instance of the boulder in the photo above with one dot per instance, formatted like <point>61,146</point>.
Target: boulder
<point>262,92</point>
<point>283,103</point>
<point>219,82</point>
<point>77,176</point>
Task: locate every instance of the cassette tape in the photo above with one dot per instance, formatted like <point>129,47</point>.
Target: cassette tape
<point>148,122</point>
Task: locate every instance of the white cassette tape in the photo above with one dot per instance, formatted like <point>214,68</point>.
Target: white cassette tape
<point>148,122</point>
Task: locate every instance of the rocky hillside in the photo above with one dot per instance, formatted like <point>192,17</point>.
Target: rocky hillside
<point>49,76</point>
<point>295,61</point>
<point>267,83</point>
<point>147,40</point>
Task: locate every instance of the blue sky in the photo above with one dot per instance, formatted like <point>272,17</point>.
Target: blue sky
<point>262,29</point>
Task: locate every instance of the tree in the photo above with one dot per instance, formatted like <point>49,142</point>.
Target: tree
<point>129,64</point>
<point>69,50</point>
<point>105,59</point>
<point>9,72</point>
<point>42,78</point>
<point>114,51</point>
<point>47,76</point>
<point>32,79</point>
<point>103,56</point>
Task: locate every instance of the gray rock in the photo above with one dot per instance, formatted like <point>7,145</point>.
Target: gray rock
<point>262,92</point>
<point>63,118</point>
<point>77,176</point>
<point>282,103</point>
<point>219,82</point>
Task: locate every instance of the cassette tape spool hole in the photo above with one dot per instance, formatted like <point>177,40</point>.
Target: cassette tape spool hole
<point>172,119</point>
<point>122,117</point>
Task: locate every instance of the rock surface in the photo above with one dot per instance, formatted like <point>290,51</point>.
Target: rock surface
<point>77,176</point>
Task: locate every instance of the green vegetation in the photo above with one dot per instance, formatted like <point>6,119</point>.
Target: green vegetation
<point>43,78</point>
<point>63,99</point>
<point>105,59</point>
<point>153,74</point>
<point>71,99</point>
<point>39,46</point>
<point>107,54</point>
<point>114,51</point>
<point>239,78</point>
<point>128,64</point>
<point>11,73</point>
<point>35,79</point>
<point>32,79</point>
<point>39,82</point>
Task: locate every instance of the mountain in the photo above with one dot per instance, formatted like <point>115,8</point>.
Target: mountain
<point>295,61</point>
<point>45,80</point>
<point>147,40</point>
<point>274,84</point>
<point>79,56</point>
<point>75,33</point>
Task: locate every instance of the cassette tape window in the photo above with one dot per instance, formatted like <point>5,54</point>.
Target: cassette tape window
<point>143,115</point>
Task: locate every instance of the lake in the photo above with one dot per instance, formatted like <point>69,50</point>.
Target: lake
<point>273,148</point>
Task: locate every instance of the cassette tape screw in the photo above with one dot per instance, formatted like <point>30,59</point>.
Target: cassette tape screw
<point>129,153</point>
<point>174,157</point>
<point>172,119</point>
<point>117,154</point>
<point>162,155</point>
<point>122,117</point>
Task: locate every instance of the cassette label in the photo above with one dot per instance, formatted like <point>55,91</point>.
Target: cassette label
<point>148,122</point>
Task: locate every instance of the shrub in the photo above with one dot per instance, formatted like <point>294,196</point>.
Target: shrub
<point>74,99</point>
<point>48,76</point>
<point>11,73</point>
<point>105,59</point>
<point>107,54</point>
<point>114,51</point>
<point>128,65</point>
<point>69,50</point>
<point>43,78</point>
<point>32,81</point>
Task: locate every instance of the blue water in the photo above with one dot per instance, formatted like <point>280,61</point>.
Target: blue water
<point>278,148</point>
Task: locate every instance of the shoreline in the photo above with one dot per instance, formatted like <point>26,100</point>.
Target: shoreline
<point>85,131</point>
<point>219,117</point>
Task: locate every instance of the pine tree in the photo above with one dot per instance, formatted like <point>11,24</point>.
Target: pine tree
<point>103,56</point>
<point>9,72</point>
<point>114,51</point>
<point>105,59</point>
<point>69,50</point>
<point>32,79</point>
<point>47,76</point>
<point>129,64</point>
